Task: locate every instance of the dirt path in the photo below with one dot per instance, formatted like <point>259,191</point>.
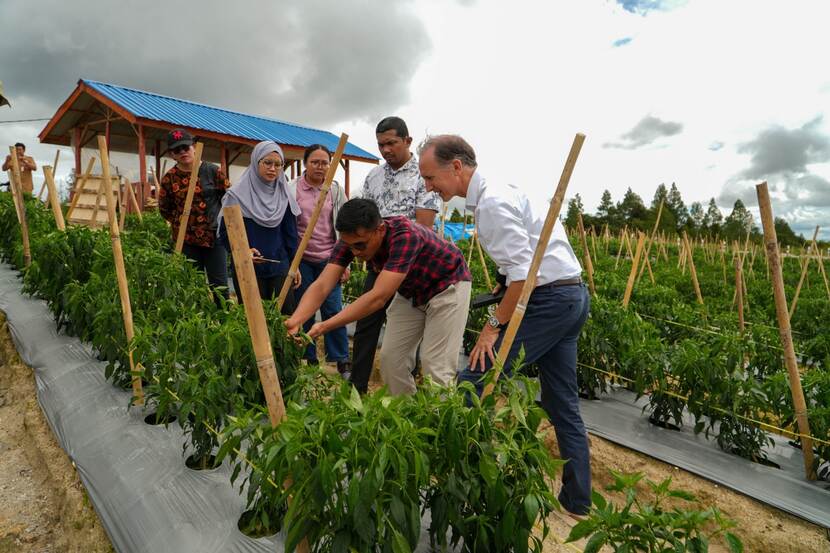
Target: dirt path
<point>43,506</point>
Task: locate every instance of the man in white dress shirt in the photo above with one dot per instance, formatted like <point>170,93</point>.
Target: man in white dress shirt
<point>508,226</point>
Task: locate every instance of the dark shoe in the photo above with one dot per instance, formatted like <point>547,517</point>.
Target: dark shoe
<point>345,369</point>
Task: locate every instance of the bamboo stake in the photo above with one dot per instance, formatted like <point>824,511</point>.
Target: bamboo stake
<point>593,241</point>
<point>79,188</point>
<point>803,273</point>
<point>823,272</point>
<point>444,219</point>
<point>632,276</point>
<point>14,194</point>
<point>739,290</point>
<point>472,245</point>
<point>312,222</point>
<point>487,280</point>
<point>101,187</point>
<point>54,170</point>
<point>122,204</point>
<point>257,324</point>
<point>49,181</point>
<point>623,236</point>
<point>606,236</point>
<point>586,255</point>
<point>188,201</point>
<point>120,269</point>
<point>134,200</point>
<point>648,244</point>
<point>692,269</point>
<point>771,243</point>
<point>538,254</point>
<point>18,195</point>
<point>243,262</point>
<point>650,272</point>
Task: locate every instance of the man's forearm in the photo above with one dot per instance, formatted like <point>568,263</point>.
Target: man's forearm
<point>362,307</point>
<point>508,303</point>
<point>425,217</point>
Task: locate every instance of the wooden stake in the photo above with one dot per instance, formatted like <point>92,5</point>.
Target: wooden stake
<point>120,269</point>
<point>586,255</point>
<point>692,269</point>
<point>803,273</point>
<point>648,244</point>
<point>739,290</point>
<point>14,194</point>
<point>538,254</point>
<point>244,265</point>
<point>312,222</point>
<point>593,242</point>
<point>444,219</point>
<point>102,187</point>
<point>54,170</point>
<point>623,237</point>
<point>15,183</point>
<point>632,276</point>
<point>257,324</point>
<point>820,260</point>
<point>79,187</point>
<point>188,201</point>
<point>771,243</point>
<point>134,200</point>
<point>122,204</point>
<point>487,280</point>
<point>49,181</point>
<point>472,245</point>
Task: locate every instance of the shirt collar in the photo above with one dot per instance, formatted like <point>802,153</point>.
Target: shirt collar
<point>413,162</point>
<point>474,190</point>
<point>304,183</point>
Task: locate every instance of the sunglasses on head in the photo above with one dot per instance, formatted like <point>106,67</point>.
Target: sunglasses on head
<point>180,149</point>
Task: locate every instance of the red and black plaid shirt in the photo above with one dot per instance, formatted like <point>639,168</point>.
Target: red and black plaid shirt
<point>431,264</point>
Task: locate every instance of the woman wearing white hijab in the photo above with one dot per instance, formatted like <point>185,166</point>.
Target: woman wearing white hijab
<point>270,216</point>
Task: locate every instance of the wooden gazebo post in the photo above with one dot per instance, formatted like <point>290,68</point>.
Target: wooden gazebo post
<point>142,168</point>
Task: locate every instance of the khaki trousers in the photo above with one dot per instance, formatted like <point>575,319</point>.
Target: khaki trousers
<point>438,326</point>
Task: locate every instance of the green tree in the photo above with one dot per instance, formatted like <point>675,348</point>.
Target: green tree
<point>737,223</point>
<point>660,195</point>
<point>605,209</point>
<point>632,210</point>
<point>456,216</point>
<point>677,207</point>
<point>713,220</point>
<point>696,218</point>
<point>786,235</point>
<point>574,209</point>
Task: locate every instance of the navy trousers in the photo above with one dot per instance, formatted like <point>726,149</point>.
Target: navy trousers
<point>549,333</point>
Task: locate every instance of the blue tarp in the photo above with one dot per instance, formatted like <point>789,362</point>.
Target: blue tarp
<point>454,231</point>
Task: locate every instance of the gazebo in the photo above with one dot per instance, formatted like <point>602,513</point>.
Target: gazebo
<point>136,122</point>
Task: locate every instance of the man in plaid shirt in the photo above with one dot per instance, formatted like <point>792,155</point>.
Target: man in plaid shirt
<point>426,278</point>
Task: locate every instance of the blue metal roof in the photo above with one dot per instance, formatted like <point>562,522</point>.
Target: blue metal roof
<point>199,116</point>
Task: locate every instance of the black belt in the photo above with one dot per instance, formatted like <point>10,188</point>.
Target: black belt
<point>561,282</point>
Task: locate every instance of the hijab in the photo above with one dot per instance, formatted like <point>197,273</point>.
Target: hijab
<point>263,201</point>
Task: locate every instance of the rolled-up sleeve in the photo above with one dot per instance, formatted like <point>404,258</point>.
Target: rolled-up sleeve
<point>503,232</point>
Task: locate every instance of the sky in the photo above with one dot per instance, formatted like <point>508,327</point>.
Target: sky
<point>713,96</point>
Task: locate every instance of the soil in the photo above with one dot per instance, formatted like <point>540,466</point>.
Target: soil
<point>43,506</point>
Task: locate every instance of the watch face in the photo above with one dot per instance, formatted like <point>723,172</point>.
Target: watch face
<point>491,309</point>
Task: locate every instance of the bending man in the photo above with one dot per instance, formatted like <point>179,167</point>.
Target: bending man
<point>508,227</point>
<point>426,279</point>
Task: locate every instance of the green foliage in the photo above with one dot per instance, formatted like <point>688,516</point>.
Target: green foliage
<point>651,527</point>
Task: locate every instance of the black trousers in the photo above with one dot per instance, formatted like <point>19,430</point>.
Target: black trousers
<point>366,337</point>
<point>269,289</point>
<point>214,262</point>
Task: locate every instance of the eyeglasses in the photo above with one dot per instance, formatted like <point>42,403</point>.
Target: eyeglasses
<point>178,150</point>
<point>358,246</point>
<point>271,163</point>
<point>319,163</point>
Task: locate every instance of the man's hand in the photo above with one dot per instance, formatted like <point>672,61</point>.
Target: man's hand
<point>318,329</point>
<point>484,347</point>
<point>345,277</point>
<point>298,279</point>
<point>256,256</point>
<point>292,326</point>
<point>496,289</point>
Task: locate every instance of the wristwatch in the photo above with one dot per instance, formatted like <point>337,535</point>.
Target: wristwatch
<point>492,320</point>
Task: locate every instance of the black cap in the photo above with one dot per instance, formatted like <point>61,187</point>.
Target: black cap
<point>178,137</point>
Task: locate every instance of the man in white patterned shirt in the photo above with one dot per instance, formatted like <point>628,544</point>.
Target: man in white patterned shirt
<point>509,226</point>
<point>398,189</point>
